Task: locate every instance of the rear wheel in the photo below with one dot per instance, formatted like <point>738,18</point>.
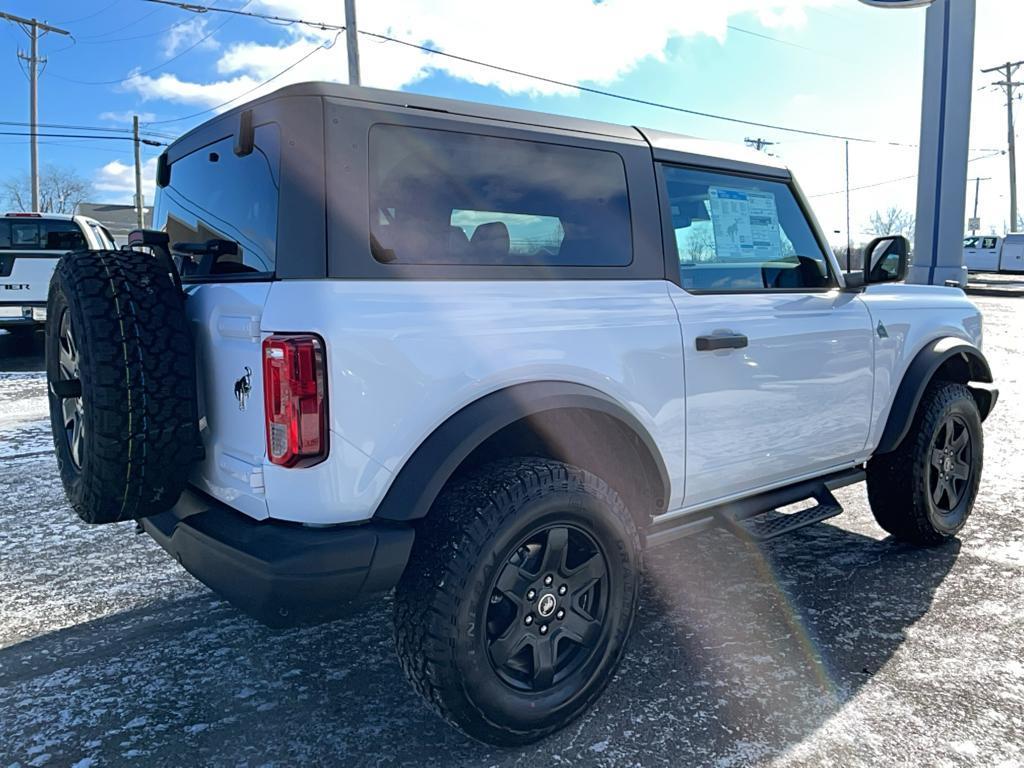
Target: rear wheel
<point>924,491</point>
<point>518,599</point>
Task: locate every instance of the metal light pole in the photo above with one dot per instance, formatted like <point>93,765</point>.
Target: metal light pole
<point>849,235</point>
<point>32,28</point>
<point>352,42</point>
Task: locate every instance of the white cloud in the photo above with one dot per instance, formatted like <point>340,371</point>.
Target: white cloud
<point>187,33</point>
<point>126,117</point>
<point>570,40</point>
<point>117,181</point>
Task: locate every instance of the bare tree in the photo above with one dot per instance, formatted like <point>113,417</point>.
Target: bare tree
<point>60,190</point>
<point>893,221</point>
<point>700,245</point>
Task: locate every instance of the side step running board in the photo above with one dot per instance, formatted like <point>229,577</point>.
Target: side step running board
<point>755,518</point>
<point>768,525</point>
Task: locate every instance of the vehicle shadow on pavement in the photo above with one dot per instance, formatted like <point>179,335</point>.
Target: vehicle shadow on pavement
<point>22,352</point>
<point>739,652</point>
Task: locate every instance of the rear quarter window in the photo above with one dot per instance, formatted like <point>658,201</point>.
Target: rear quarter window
<point>443,197</point>
<point>213,194</point>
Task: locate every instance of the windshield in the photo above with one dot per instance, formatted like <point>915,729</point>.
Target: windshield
<point>39,234</point>
<point>215,195</point>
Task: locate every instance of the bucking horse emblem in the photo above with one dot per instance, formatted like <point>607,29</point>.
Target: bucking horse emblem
<point>242,388</point>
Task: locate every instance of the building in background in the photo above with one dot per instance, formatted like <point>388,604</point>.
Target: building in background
<point>119,219</point>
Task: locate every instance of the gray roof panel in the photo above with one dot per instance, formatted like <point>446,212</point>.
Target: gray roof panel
<point>666,145</point>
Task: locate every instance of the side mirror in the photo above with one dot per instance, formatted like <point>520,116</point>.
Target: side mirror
<point>886,259</point>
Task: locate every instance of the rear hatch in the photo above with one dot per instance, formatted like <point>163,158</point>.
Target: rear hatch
<point>30,246</point>
<point>219,210</point>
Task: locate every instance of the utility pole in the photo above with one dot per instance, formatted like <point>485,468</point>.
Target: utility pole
<point>1008,70</point>
<point>977,184</point>
<point>849,236</point>
<point>759,144</point>
<point>32,28</point>
<point>352,42</point>
<point>139,210</point>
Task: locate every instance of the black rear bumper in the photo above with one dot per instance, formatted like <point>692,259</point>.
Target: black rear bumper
<point>281,573</point>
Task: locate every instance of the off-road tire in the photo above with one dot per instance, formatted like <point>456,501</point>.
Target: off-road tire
<point>442,600</point>
<point>899,484</point>
<point>136,371</point>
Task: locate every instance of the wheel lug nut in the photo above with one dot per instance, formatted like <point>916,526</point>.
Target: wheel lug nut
<point>529,619</point>
<point>560,614</point>
<point>563,589</point>
<point>543,629</point>
<point>531,594</point>
<point>548,579</point>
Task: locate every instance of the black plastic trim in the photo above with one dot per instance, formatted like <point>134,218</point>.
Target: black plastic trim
<point>278,572</point>
<point>742,509</point>
<point>438,457</point>
<point>919,373</point>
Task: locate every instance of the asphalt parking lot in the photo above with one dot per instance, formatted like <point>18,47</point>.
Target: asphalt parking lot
<point>832,646</point>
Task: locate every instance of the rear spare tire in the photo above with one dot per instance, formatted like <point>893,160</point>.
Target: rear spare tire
<point>121,378</point>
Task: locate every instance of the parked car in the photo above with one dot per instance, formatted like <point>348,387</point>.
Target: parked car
<point>485,357</point>
<point>30,246</point>
<point>991,253</point>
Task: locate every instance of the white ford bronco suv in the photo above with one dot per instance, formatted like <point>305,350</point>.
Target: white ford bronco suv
<point>484,357</point>
<point>30,245</point>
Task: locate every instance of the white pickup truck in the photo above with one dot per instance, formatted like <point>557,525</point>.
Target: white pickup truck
<point>485,357</point>
<point>30,246</point>
<point>992,253</point>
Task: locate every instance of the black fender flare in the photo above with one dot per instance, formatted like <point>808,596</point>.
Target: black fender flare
<point>920,373</point>
<point>438,457</point>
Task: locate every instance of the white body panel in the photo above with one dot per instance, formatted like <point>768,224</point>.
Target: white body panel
<point>226,324</point>
<point>791,402</point>
<point>403,356</point>
<point>913,316</point>
<point>30,276</point>
<point>1011,257</point>
<point>810,393</point>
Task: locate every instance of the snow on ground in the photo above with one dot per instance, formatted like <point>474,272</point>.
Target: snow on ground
<point>832,646</point>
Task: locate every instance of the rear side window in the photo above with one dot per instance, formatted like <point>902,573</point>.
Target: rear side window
<point>735,233</point>
<point>215,195</point>
<point>440,197</point>
<point>38,234</point>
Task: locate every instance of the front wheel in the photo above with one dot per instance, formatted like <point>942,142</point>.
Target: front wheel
<point>518,599</point>
<point>924,491</point>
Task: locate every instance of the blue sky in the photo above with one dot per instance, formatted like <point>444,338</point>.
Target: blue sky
<point>830,65</point>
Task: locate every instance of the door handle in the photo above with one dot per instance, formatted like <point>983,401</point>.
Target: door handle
<point>721,341</point>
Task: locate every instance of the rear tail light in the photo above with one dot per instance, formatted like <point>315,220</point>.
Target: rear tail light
<point>295,395</point>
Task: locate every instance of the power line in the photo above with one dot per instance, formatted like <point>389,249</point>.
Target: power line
<point>150,142</point>
<point>322,25</point>
<point>132,23</point>
<point>104,9</point>
<point>194,8</point>
<point>259,85</point>
<point>177,56</point>
<point>893,181</point>
<point>86,128</point>
<point>780,41</point>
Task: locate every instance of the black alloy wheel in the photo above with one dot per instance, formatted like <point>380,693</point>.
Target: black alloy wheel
<point>547,608</point>
<point>950,471</point>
